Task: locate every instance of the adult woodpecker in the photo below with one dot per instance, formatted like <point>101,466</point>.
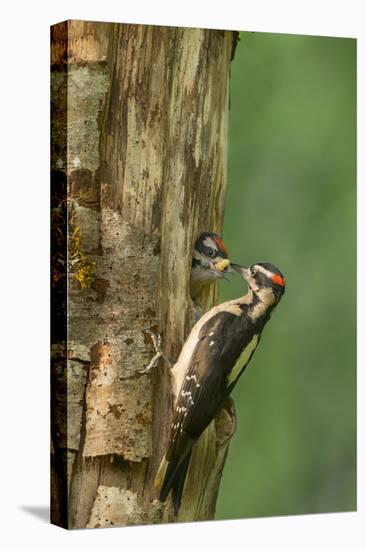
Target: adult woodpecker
<point>212,359</point>
<point>210,261</point>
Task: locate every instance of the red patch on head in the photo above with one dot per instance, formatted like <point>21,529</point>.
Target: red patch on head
<point>278,280</point>
<point>220,245</point>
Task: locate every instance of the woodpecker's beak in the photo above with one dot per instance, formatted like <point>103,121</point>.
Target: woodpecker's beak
<point>243,271</point>
<point>230,269</point>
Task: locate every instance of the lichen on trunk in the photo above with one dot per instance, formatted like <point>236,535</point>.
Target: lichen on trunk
<point>139,135</point>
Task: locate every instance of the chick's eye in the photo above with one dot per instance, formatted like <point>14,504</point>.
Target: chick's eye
<point>211,252</point>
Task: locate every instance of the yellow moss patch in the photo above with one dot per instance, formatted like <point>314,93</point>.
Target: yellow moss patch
<point>80,266</point>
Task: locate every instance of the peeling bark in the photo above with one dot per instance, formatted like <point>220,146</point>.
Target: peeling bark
<point>114,506</point>
<point>139,140</point>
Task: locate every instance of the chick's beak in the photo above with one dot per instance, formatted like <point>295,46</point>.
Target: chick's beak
<point>221,267</point>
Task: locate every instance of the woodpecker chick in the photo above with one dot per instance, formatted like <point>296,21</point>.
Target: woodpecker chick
<point>212,359</point>
<point>210,261</point>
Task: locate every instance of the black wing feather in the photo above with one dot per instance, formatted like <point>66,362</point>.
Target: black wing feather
<point>204,390</point>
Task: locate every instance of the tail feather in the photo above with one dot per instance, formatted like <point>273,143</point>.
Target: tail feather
<point>160,474</point>
<point>178,486</point>
<point>171,477</point>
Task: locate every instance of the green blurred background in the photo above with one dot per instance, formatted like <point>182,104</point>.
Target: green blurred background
<point>291,200</point>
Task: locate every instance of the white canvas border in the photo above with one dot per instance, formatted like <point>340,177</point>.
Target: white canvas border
<point>24,271</point>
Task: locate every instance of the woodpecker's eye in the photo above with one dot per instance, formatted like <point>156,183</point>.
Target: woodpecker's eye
<point>253,271</point>
<point>211,252</point>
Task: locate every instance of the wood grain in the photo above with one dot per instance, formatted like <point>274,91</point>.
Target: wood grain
<point>139,130</point>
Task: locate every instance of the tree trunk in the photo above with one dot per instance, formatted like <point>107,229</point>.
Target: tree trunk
<point>139,141</point>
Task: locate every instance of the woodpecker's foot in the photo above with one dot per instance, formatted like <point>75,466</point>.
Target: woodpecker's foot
<point>156,340</point>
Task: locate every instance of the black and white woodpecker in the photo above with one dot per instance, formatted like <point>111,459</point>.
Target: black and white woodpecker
<point>209,263</point>
<point>212,359</point>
